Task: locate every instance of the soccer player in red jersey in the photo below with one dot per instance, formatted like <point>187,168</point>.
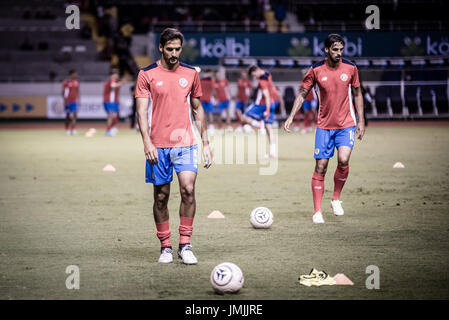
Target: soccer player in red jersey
<point>262,111</point>
<point>335,78</point>
<point>168,138</point>
<point>207,86</point>
<point>70,94</point>
<point>223,97</point>
<point>244,87</point>
<point>111,102</point>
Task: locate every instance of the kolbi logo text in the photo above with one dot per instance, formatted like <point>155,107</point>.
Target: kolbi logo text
<point>229,47</point>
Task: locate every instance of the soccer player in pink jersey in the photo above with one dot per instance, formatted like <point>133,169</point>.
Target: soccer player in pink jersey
<point>111,101</point>
<point>168,138</point>
<point>244,87</point>
<point>223,97</point>
<point>335,79</point>
<point>70,94</point>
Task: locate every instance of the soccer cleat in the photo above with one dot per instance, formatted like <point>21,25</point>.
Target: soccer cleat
<point>67,132</point>
<point>238,129</point>
<point>338,209</point>
<point>114,131</point>
<point>166,255</point>
<point>74,133</point>
<point>317,217</point>
<point>229,129</point>
<point>185,253</point>
<point>109,134</point>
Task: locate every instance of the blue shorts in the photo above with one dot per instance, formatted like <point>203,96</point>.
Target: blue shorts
<point>222,106</point>
<point>111,107</point>
<point>240,105</point>
<point>179,158</point>
<point>327,140</point>
<point>207,106</point>
<point>71,107</point>
<point>307,105</point>
<point>256,111</point>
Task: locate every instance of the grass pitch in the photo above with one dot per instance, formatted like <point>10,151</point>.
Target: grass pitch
<point>58,208</point>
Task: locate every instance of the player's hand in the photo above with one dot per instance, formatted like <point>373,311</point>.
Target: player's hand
<point>207,156</point>
<point>266,114</point>
<point>288,123</point>
<point>360,130</point>
<point>151,153</point>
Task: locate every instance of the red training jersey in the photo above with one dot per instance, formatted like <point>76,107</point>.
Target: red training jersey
<point>265,82</point>
<point>207,86</point>
<point>110,94</point>
<point>220,90</point>
<point>244,87</point>
<point>71,90</point>
<point>169,90</point>
<point>336,110</point>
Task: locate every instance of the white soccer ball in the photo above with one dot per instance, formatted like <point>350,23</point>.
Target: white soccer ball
<point>261,218</point>
<point>226,277</point>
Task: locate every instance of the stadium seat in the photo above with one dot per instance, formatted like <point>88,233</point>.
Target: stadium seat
<point>441,93</point>
<point>289,98</point>
<point>411,95</point>
<point>428,100</point>
<point>396,100</point>
<point>381,97</point>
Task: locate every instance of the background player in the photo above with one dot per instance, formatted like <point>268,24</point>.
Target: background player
<point>223,97</point>
<point>244,87</point>
<point>335,77</point>
<point>169,141</point>
<point>111,102</point>
<point>309,108</point>
<point>259,114</point>
<point>207,86</point>
<point>70,94</point>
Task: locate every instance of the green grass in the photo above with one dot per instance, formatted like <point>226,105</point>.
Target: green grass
<point>58,208</point>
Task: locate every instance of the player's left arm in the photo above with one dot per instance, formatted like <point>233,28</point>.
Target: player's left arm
<point>200,122</point>
<point>358,99</point>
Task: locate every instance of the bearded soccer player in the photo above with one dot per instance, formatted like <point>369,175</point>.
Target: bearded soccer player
<point>70,94</point>
<point>335,79</point>
<point>168,140</point>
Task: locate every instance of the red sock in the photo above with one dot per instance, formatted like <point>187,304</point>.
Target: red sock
<point>185,230</point>
<point>73,127</point>
<point>163,233</point>
<point>340,176</point>
<point>317,190</point>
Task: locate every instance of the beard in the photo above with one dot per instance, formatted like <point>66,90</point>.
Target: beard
<point>171,61</point>
<point>334,60</point>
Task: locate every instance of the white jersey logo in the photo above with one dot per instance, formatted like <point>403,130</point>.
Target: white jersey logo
<point>344,77</point>
<point>324,79</point>
<point>159,83</point>
<point>183,82</point>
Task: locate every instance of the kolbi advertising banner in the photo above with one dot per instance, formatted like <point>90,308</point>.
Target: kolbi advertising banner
<point>208,48</point>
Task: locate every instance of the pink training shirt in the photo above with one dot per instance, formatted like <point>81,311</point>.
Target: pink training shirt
<point>334,93</point>
<point>169,90</point>
<point>110,94</point>
<point>71,90</point>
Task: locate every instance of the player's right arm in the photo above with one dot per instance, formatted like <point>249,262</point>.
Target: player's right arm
<point>303,92</point>
<point>142,101</point>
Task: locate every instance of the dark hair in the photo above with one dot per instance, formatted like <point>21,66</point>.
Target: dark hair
<point>113,71</point>
<point>251,69</point>
<point>72,71</point>
<point>169,34</point>
<point>332,38</point>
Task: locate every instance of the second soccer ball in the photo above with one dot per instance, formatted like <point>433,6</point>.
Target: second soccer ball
<point>261,218</point>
